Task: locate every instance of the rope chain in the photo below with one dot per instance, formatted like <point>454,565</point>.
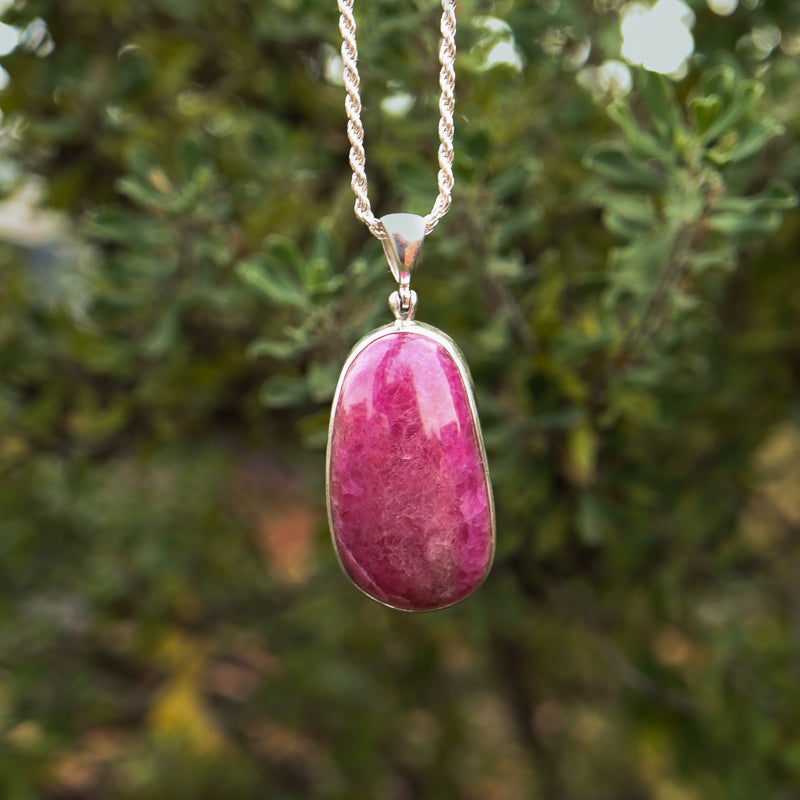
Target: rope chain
<point>355,128</point>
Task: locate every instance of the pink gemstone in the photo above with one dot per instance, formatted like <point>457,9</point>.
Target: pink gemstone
<point>409,496</point>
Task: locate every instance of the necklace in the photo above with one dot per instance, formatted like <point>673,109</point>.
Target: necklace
<point>409,498</point>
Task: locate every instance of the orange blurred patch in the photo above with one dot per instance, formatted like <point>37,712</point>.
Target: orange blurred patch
<point>778,468</point>
<point>773,509</point>
<point>233,680</point>
<point>80,771</point>
<point>286,537</point>
<point>673,648</point>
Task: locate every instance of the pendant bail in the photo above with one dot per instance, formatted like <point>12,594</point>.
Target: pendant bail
<point>405,234</point>
<point>403,244</point>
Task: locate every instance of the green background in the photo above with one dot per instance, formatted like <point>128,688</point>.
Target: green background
<point>181,279</point>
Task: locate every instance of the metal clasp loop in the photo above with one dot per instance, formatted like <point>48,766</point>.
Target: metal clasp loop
<point>405,234</point>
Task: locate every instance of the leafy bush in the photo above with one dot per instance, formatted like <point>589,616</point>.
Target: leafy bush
<point>182,278</point>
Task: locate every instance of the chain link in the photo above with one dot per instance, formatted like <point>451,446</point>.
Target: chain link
<point>355,128</point>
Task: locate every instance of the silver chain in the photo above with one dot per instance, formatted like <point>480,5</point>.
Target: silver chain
<point>355,129</point>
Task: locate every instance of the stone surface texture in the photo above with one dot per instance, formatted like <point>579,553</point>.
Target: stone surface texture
<point>410,502</point>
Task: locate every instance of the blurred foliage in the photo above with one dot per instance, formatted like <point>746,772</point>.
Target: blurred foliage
<point>182,278</point>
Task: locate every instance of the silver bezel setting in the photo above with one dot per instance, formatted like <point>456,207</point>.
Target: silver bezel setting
<point>441,338</point>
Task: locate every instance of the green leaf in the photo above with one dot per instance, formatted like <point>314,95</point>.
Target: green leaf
<point>634,269</point>
<point>746,225</point>
<point>190,157</point>
<point>626,215</point>
<point>514,179</point>
<point>683,301</point>
<point>753,140</point>
<point>282,391</point>
<point>723,258</point>
<point>624,170</point>
<point>273,284</point>
<point>622,226</point>
<point>778,195</point>
<point>281,351</point>
<point>322,378</point>
<point>140,157</point>
<point>746,97</point>
<point>736,146</point>
<point>641,143</point>
<point>324,249</point>
<point>142,192</point>
<point>319,279</point>
<point>720,81</point>
<point>164,336</point>
<point>285,251</point>
<point>116,224</point>
<point>506,268</point>
<point>516,223</point>
<point>705,110</point>
<point>664,110</point>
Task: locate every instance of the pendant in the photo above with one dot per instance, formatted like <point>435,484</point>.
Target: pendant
<point>409,498</point>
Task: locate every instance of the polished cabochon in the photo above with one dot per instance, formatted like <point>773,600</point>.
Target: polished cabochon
<point>409,498</point>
